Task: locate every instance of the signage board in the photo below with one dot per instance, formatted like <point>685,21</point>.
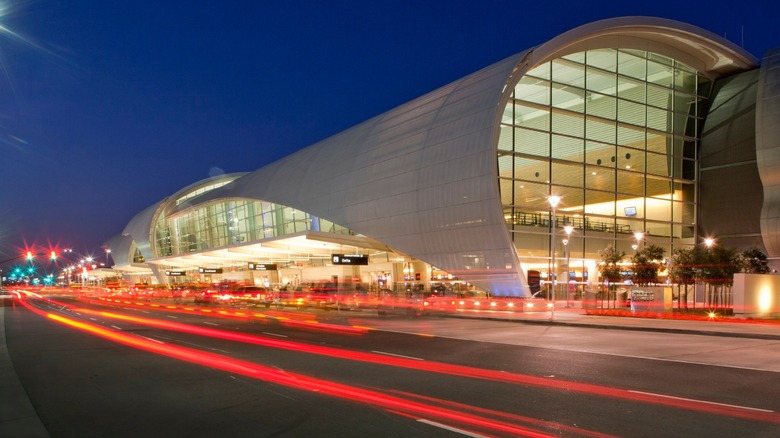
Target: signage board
<point>349,259</point>
<point>175,273</point>
<point>210,270</point>
<point>262,266</point>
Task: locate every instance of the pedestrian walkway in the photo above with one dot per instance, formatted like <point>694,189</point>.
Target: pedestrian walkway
<point>17,415</point>
<point>577,316</point>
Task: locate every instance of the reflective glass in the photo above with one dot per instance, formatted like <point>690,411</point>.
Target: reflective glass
<point>568,174</point>
<point>568,148</point>
<point>609,127</point>
<point>529,141</point>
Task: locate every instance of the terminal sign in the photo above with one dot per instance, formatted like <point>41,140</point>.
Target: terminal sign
<point>175,273</point>
<point>349,259</point>
<point>262,266</point>
<point>210,270</point>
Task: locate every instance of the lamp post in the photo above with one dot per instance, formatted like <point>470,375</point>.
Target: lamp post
<point>553,200</point>
<point>568,228</point>
<point>639,236</point>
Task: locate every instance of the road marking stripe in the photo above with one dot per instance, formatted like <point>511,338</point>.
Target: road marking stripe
<point>396,355</point>
<point>701,401</point>
<point>210,323</point>
<point>274,334</point>
<point>118,328</point>
<point>451,429</point>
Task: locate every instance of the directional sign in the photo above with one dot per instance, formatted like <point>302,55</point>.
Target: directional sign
<point>262,266</point>
<point>210,270</point>
<point>175,273</point>
<point>349,259</point>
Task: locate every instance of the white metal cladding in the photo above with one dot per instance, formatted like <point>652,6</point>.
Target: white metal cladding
<point>421,178</point>
<point>120,246</point>
<point>768,148</point>
<point>140,228</point>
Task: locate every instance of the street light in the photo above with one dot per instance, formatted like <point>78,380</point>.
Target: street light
<point>553,200</point>
<point>709,242</point>
<point>568,228</point>
<point>638,236</point>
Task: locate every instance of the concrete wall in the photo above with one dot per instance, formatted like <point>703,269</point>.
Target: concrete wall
<point>757,295</point>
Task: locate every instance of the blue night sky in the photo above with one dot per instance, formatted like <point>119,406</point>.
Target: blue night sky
<point>107,107</point>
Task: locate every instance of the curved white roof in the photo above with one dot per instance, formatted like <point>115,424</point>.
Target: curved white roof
<point>422,178</point>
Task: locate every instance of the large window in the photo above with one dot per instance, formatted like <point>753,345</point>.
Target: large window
<point>611,131</point>
<point>225,223</point>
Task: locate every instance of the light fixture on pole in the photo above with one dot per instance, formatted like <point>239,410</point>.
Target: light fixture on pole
<point>568,228</point>
<point>553,200</point>
<point>639,236</point>
<point>709,242</point>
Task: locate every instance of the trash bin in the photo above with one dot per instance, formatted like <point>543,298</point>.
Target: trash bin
<point>589,298</point>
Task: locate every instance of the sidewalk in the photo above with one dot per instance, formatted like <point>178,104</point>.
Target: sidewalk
<point>575,316</point>
<point>17,415</point>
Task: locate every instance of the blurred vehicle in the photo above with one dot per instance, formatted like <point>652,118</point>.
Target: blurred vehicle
<point>408,302</point>
<point>6,297</point>
<point>179,292</point>
<point>216,294</point>
<point>356,299</point>
<point>324,295</point>
<point>253,295</point>
<point>297,296</point>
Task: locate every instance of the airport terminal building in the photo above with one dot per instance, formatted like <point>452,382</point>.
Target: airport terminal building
<point>650,131</point>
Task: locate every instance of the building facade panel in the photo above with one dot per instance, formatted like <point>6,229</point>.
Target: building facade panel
<point>768,149</point>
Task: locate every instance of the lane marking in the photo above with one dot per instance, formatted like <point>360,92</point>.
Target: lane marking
<point>210,323</point>
<point>396,355</point>
<point>153,340</point>
<point>701,401</point>
<point>118,328</point>
<point>450,428</point>
<point>274,334</point>
<point>172,317</point>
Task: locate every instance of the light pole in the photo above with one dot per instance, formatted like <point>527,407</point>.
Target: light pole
<point>108,253</point>
<point>568,228</point>
<point>638,236</point>
<point>553,200</point>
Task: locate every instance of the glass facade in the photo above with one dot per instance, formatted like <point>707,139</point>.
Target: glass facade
<point>613,132</point>
<point>223,223</point>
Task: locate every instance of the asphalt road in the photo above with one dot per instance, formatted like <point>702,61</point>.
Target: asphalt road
<point>415,377</point>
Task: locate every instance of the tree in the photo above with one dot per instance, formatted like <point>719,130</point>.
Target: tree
<point>753,261</point>
<point>683,269</point>
<point>609,269</point>
<point>717,272</point>
<point>646,264</point>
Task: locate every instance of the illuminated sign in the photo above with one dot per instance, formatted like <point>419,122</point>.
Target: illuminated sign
<point>262,266</point>
<point>210,270</point>
<point>175,273</point>
<point>349,259</point>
